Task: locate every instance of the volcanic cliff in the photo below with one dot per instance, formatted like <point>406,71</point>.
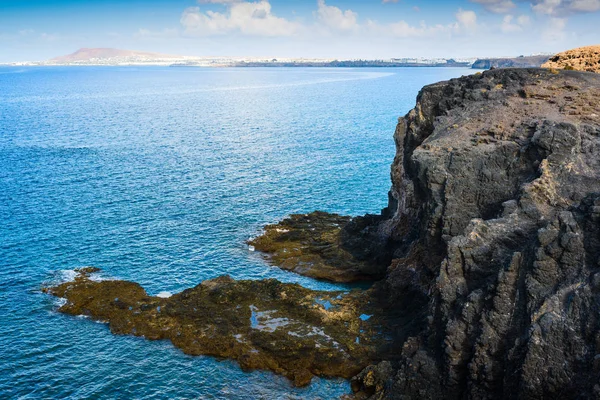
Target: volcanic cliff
<point>494,221</point>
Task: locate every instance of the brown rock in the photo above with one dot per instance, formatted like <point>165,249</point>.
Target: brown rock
<point>284,328</point>
<point>580,59</point>
<point>325,246</point>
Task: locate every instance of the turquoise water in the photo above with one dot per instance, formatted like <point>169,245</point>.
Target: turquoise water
<point>159,175</point>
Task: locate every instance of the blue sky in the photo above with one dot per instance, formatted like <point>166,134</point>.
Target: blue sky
<point>41,29</point>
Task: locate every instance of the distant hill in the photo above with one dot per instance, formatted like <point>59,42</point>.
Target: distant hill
<point>516,62</point>
<point>581,59</point>
<point>110,56</point>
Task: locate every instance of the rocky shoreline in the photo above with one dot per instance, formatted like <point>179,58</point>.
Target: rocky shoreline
<point>281,327</point>
<point>487,260</point>
<point>326,246</point>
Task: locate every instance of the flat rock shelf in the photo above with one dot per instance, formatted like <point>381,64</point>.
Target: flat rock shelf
<point>269,325</point>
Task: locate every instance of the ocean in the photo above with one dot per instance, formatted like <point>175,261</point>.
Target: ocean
<point>159,175</point>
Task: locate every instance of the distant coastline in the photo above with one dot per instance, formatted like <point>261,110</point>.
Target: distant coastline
<point>117,57</point>
<point>513,62</point>
<point>338,64</point>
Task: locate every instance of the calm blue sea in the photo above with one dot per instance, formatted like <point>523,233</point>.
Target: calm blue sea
<point>159,175</point>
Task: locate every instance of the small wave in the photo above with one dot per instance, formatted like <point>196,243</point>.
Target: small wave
<point>164,295</point>
<point>69,275</point>
<point>60,301</point>
<point>66,275</point>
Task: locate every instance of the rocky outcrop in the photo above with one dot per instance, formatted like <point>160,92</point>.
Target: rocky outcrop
<point>496,191</point>
<point>285,328</point>
<point>516,62</point>
<point>580,59</point>
<point>327,246</point>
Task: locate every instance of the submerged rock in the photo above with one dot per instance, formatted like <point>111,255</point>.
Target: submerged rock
<point>284,328</point>
<point>326,246</point>
<point>86,271</point>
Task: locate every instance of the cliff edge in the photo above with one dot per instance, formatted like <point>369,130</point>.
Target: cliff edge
<point>515,62</point>
<point>495,220</point>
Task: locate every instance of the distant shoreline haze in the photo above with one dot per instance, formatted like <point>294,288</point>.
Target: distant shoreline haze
<point>118,57</point>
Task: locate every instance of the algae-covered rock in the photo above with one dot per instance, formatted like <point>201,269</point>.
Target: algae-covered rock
<point>326,246</point>
<point>266,324</point>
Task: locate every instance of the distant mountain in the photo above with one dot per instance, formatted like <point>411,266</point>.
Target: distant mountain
<point>516,62</point>
<point>112,56</point>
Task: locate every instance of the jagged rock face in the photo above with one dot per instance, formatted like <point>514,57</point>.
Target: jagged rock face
<point>580,59</point>
<point>496,192</point>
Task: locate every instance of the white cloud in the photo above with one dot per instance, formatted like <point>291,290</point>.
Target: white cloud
<point>249,18</point>
<point>219,1</point>
<point>404,29</point>
<point>257,19</point>
<point>143,33</point>
<point>496,6</point>
<point>585,5</point>
<point>548,7</point>
<point>335,18</point>
<point>466,19</point>
<point>50,37</point>
<point>523,20</point>
<point>512,25</point>
<point>555,30</point>
<point>565,7</point>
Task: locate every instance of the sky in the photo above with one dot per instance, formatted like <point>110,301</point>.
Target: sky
<point>34,30</point>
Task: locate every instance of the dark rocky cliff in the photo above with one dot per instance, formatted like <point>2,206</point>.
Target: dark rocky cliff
<point>495,219</point>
